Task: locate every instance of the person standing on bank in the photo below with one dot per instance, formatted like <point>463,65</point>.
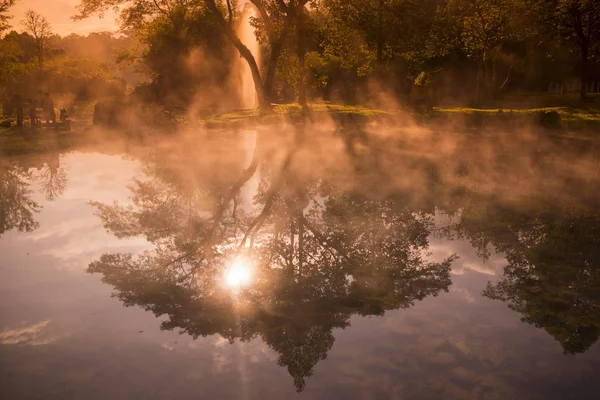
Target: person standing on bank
<point>48,108</point>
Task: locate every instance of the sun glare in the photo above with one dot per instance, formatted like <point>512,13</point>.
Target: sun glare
<point>239,274</point>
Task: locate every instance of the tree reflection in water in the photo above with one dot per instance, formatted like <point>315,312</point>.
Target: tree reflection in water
<point>17,209</point>
<point>52,178</point>
<point>319,254</point>
<point>553,274</point>
<point>342,231</point>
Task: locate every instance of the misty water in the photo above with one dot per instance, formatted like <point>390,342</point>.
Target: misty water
<point>303,262</point>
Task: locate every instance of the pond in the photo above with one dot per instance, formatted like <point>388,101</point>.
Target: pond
<point>307,262</point>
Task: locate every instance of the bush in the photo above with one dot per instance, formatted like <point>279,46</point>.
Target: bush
<point>549,119</point>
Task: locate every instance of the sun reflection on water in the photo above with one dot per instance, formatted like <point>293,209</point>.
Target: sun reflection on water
<point>239,273</point>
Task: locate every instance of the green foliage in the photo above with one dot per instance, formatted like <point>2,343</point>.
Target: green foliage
<point>185,51</point>
<point>579,22</point>
<point>10,63</point>
<point>484,24</point>
<point>486,49</point>
<point>5,5</point>
<point>424,79</point>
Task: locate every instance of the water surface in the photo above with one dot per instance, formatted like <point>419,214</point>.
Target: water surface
<point>311,264</point>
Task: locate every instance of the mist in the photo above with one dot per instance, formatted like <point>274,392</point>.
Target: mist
<point>320,199</point>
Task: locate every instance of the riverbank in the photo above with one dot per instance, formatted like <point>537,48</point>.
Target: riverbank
<point>572,121</point>
<point>568,118</point>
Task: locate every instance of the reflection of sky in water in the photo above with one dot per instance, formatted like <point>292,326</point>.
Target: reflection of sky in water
<point>60,328</point>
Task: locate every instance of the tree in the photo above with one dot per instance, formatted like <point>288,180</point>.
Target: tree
<point>272,14</point>
<point>52,178</point>
<point>387,39</point>
<point>484,25</point>
<point>579,22</point>
<point>4,18</point>
<point>39,27</point>
<point>275,19</point>
<point>11,64</point>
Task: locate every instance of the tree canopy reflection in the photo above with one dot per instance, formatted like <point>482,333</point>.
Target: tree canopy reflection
<point>332,235</point>
<point>553,274</point>
<point>17,209</point>
<point>319,254</point>
<point>17,176</point>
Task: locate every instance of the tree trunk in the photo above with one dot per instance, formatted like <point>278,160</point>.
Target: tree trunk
<point>40,53</point>
<point>276,47</point>
<point>380,33</point>
<point>300,242</point>
<point>486,93</point>
<point>301,53</point>
<point>263,99</point>
<point>583,72</point>
<point>478,86</point>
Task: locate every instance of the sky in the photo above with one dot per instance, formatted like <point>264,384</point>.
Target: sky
<point>59,13</point>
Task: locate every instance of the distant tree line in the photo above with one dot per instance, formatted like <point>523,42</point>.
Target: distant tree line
<point>79,67</point>
<point>475,50</point>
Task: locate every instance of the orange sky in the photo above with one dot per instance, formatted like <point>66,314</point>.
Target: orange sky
<point>59,13</point>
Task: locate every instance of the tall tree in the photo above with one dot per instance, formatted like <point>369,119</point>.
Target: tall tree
<point>389,37</point>
<point>275,19</point>
<point>484,25</point>
<point>579,22</point>
<point>4,17</point>
<point>10,62</point>
<point>39,27</point>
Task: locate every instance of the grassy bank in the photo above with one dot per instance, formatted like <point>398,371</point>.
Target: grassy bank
<point>571,119</point>
<point>575,117</point>
<point>285,112</point>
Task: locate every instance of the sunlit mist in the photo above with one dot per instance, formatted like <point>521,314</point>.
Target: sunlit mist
<point>239,274</point>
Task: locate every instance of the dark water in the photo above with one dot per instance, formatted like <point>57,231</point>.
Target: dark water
<point>303,264</point>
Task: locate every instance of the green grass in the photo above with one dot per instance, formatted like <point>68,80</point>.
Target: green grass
<point>576,118</point>
<point>566,113</point>
<point>295,108</point>
<point>570,115</point>
<point>291,111</point>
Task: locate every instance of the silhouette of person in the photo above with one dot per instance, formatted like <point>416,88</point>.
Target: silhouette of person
<point>33,115</point>
<point>48,108</point>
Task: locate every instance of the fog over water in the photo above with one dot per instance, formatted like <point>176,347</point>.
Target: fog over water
<point>300,199</point>
<point>348,262</point>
